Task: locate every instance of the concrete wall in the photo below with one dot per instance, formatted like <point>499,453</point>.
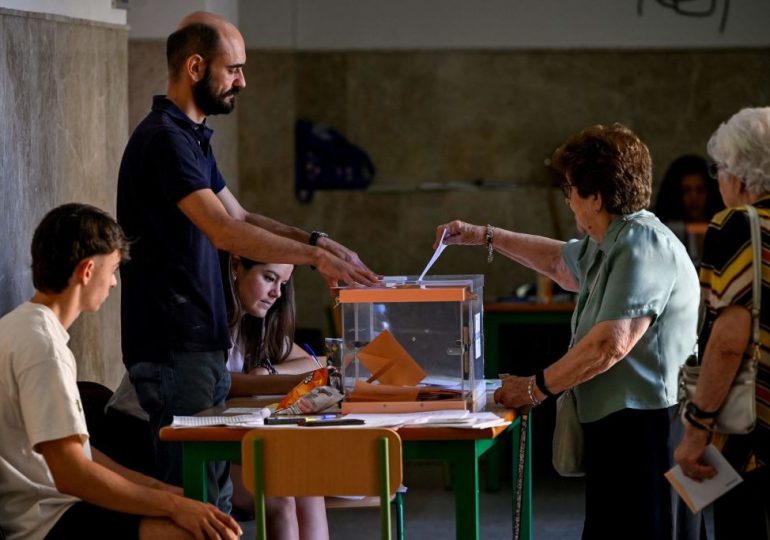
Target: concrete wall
<point>446,92</point>
<point>453,117</point>
<point>63,101</point>
<point>501,24</point>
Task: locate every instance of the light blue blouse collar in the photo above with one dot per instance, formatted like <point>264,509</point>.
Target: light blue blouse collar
<point>617,224</point>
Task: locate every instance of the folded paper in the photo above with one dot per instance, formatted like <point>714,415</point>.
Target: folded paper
<point>389,363</point>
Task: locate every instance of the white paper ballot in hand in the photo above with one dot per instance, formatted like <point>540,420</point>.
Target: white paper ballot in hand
<point>436,254</point>
<point>698,495</point>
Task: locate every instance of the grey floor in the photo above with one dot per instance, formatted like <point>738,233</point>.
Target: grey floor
<point>429,509</point>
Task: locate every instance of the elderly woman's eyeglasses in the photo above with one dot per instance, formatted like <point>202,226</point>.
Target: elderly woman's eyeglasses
<point>566,189</point>
<point>714,170</point>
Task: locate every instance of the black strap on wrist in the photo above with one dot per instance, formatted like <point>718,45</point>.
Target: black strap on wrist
<point>315,236</point>
<point>540,382</point>
<point>697,424</point>
<point>696,412</point>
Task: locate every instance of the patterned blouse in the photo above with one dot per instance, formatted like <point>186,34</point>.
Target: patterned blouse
<point>726,279</point>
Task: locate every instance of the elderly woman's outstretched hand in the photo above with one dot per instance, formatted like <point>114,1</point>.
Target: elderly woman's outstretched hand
<point>460,233</point>
<point>514,394</point>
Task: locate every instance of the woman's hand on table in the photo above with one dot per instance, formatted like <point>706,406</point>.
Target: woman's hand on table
<point>514,394</point>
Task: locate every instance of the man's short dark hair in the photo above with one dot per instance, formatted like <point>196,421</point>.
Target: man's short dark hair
<point>196,38</point>
<point>67,235</point>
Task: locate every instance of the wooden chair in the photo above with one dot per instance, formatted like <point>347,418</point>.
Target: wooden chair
<point>320,461</point>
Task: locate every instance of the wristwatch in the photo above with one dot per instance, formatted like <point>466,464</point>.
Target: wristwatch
<point>315,236</point>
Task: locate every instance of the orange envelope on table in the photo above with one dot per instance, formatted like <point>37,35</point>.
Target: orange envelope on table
<point>383,392</point>
<point>389,363</point>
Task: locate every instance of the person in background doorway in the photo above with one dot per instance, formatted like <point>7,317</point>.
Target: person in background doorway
<point>687,193</point>
<point>687,200</point>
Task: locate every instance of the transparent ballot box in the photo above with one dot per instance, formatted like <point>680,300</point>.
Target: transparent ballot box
<point>412,346</point>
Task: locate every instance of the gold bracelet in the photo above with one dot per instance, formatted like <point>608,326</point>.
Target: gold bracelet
<point>531,392</point>
<point>490,248</point>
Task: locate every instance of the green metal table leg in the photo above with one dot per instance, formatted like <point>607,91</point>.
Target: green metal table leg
<point>466,474</point>
<point>195,456</point>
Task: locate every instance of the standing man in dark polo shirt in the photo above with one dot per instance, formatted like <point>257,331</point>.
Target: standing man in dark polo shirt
<point>173,203</point>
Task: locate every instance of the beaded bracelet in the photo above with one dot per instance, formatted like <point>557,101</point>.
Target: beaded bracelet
<point>531,392</point>
<point>490,248</point>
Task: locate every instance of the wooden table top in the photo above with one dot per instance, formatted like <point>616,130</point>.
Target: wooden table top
<point>416,433</point>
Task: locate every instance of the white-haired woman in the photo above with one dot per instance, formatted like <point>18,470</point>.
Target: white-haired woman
<point>740,149</point>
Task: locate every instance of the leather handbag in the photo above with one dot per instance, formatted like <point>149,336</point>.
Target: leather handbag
<point>568,447</point>
<point>738,414</point>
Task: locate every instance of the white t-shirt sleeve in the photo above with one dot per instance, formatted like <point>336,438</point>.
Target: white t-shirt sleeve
<point>48,394</point>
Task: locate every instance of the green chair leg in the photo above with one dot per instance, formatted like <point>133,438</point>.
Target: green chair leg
<point>399,500</point>
<point>259,492</point>
<point>384,491</point>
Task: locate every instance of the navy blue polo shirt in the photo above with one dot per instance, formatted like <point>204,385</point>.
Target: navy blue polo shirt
<point>171,289</point>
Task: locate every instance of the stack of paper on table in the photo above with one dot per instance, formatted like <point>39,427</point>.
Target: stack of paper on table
<point>439,418</point>
<point>256,418</point>
<point>698,495</point>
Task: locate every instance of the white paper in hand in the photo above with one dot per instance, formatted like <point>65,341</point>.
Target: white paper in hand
<point>436,254</point>
<point>698,495</point>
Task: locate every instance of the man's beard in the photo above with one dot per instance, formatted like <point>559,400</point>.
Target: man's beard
<point>208,100</point>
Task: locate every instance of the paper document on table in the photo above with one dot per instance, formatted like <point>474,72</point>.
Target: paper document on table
<point>239,420</point>
<point>698,495</point>
<point>436,254</point>
<point>264,412</point>
<point>447,418</point>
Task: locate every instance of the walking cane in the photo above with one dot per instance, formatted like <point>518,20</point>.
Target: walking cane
<point>519,493</point>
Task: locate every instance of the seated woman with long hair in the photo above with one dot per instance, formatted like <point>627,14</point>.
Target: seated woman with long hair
<point>261,313</point>
<point>265,360</point>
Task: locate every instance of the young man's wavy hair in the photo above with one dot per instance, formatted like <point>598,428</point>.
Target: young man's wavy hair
<point>271,337</point>
<point>67,235</point>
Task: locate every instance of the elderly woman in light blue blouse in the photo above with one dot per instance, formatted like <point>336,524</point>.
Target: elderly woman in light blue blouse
<point>634,323</point>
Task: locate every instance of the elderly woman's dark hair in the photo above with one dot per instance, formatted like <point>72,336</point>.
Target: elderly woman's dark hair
<point>669,205</point>
<point>271,337</point>
<point>611,161</point>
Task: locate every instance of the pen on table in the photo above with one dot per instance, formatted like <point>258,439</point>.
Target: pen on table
<point>311,353</point>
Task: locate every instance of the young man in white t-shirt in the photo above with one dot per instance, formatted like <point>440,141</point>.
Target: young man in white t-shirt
<point>53,485</point>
